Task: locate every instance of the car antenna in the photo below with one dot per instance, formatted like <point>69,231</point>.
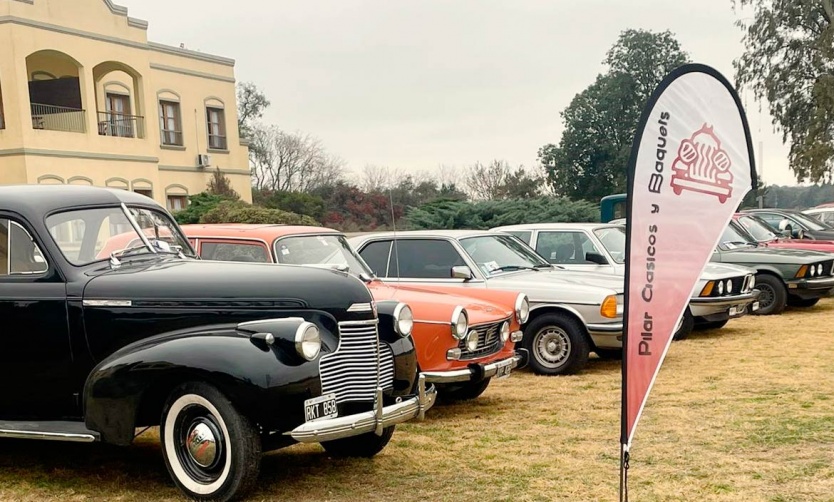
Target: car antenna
<point>394,229</point>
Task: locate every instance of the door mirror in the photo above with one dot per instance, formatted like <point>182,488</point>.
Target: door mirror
<point>785,228</point>
<point>462,272</point>
<point>596,258</point>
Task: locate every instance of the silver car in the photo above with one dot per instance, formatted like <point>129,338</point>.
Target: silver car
<point>722,293</point>
<point>571,313</point>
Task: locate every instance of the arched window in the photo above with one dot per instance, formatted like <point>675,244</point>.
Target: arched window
<point>176,197</point>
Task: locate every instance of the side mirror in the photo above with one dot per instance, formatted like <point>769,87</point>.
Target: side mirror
<point>785,228</point>
<point>596,258</point>
<point>461,272</point>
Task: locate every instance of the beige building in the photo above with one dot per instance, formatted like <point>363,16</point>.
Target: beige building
<point>86,99</point>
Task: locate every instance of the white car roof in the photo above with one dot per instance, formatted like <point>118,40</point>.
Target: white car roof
<point>553,226</point>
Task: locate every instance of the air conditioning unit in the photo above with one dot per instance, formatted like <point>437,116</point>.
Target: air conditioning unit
<point>203,160</point>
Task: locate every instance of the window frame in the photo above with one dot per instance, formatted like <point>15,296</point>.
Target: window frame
<point>8,276</point>
<point>163,123</point>
<point>220,125</point>
<point>236,242</point>
<point>476,272</point>
<point>168,197</point>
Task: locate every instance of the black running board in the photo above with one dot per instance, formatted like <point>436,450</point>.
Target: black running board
<point>51,431</point>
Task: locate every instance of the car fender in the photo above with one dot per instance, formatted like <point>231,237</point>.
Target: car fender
<point>266,383</point>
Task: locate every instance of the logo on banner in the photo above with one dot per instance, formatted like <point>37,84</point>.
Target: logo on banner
<point>703,166</point>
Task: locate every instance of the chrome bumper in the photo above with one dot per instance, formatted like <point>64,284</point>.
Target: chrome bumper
<point>473,372</point>
<point>811,284</point>
<point>370,421</point>
<point>704,306</point>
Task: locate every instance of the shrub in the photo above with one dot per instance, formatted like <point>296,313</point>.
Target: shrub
<point>240,212</point>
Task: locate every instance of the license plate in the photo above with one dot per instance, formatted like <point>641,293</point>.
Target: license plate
<point>755,306</point>
<point>504,370</point>
<point>320,408</point>
<point>734,311</point>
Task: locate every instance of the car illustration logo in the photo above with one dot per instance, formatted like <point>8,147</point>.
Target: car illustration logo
<point>703,166</point>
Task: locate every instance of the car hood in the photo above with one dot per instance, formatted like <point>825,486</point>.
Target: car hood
<point>428,305</point>
<point>715,271</point>
<point>560,285</point>
<point>806,244</point>
<point>196,283</point>
<point>769,254</point>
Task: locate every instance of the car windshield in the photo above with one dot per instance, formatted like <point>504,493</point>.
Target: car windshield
<point>88,235</point>
<point>502,253</point>
<point>614,240</point>
<point>812,223</point>
<point>733,239</point>
<point>321,251</point>
<point>757,227</point>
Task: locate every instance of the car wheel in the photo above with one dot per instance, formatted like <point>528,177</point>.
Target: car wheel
<point>557,345</point>
<point>211,451</point>
<point>465,391</point>
<point>364,445</point>
<point>610,354</point>
<point>687,323</point>
<point>773,296</point>
<point>713,324</point>
<point>802,302</point>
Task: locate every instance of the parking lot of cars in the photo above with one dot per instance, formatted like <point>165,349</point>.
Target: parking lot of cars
<point>240,339</point>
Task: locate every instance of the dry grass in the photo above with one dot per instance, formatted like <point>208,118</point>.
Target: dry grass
<point>740,414</point>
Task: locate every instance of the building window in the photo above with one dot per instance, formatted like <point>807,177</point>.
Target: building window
<point>117,120</point>
<point>147,192</point>
<point>170,123</point>
<point>177,202</point>
<point>216,128</point>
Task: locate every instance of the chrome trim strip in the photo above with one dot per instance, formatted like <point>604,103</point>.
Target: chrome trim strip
<point>107,303</point>
<point>366,322</point>
<point>360,307</point>
<point>50,436</point>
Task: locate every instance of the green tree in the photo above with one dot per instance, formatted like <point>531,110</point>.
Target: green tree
<point>241,212</point>
<point>789,60</point>
<point>198,205</point>
<point>487,214</point>
<point>295,202</point>
<point>600,122</point>
<point>251,103</point>
<point>220,184</point>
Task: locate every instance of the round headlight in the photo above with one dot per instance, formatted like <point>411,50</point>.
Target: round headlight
<point>813,270</point>
<point>729,286</point>
<point>522,308</point>
<point>472,341</point>
<point>720,288</point>
<point>819,269</point>
<point>308,341</point>
<point>505,331</point>
<point>403,320</point>
<point>460,323</point>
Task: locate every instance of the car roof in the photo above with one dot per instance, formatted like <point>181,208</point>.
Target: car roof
<point>555,226</point>
<point>44,199</point>
<point>450,234</point>
<point>260,231</point>
<point>771,210</point>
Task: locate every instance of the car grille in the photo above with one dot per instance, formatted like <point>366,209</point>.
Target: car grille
<point>351,372</point>
<point>489,341</point>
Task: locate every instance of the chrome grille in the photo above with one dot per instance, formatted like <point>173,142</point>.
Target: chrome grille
<point>351,371</point>
<point>489,341</point>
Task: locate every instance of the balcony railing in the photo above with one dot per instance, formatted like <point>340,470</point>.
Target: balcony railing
<point>121,125</point>
<point>57,118</point>
<point>217,142</point>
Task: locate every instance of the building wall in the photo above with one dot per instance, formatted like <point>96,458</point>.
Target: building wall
<point>107,50</point>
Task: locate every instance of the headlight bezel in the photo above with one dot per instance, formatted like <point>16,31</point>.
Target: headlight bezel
<point>471,342</point>
<point>307,333</point>
<point>504,331</point>
<point>522,308</point>
<point>401,310</point>
<point>458,314</point>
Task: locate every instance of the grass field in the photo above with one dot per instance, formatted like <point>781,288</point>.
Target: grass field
<point>745,413</point>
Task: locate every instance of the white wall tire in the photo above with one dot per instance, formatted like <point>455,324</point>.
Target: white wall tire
<point>211,451</point>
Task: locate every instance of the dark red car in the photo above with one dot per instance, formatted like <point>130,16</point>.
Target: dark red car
<point>765,235</point>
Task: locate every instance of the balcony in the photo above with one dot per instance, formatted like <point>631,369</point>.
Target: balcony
<point>58,118</point>
<point>121,125</point>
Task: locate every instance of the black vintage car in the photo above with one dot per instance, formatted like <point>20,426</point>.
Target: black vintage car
<point>111,324</point>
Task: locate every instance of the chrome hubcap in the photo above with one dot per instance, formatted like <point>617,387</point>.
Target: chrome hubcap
<point>201,444</point>
<point>553,346</point>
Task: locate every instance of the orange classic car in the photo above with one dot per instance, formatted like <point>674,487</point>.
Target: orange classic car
<point>463,338</point>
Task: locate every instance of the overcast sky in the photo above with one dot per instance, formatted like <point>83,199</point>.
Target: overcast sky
<point>415,84</point>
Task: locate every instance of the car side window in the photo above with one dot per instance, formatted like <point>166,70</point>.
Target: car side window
<point>424,259</point>
<point>19,255</point>
<point>376,256</point>
<point>771,218</point>
<point>565,247</point>
<point>233,251</point>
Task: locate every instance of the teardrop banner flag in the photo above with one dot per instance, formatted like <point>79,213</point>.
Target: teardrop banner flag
<point>691,165</point>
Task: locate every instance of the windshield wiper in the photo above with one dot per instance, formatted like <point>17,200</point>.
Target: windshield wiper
<point>515,267</point>
<point>543,266</point>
